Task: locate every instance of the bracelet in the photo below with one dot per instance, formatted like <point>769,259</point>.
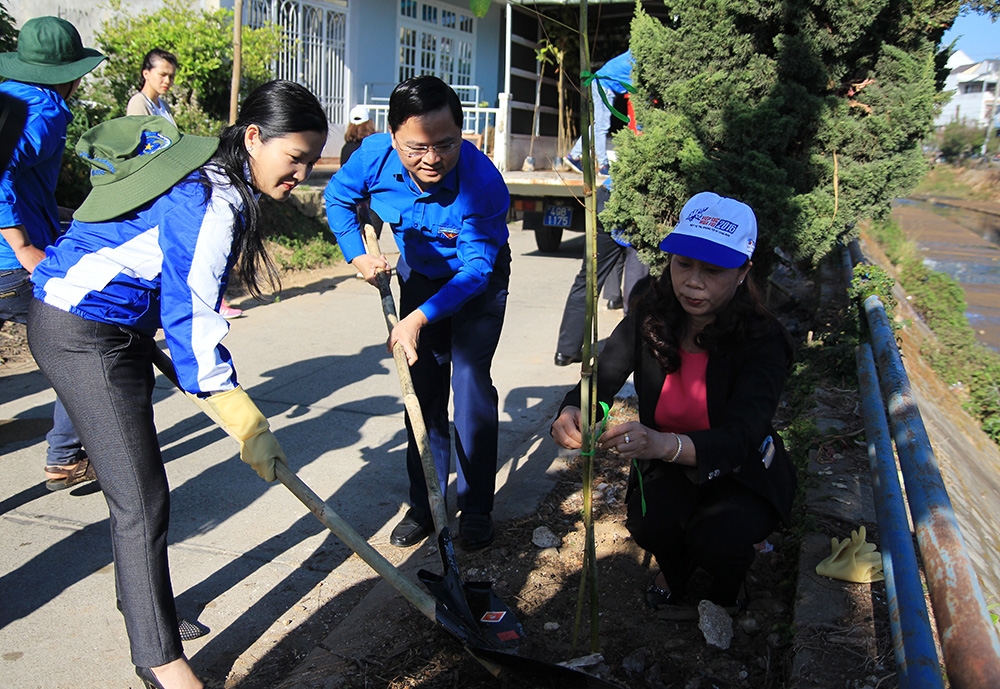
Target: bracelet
<point>680,446</point>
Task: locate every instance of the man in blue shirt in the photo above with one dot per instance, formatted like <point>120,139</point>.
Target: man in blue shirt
<point>44,73</point>
<point>617,70</point>
<point>446,204</point>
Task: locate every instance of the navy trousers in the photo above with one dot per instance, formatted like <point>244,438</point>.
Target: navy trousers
<point>455,355</point>
<point>104,375</point>
<point>609,252</point>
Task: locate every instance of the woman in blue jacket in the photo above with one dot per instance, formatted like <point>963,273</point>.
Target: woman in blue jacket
<point>152,247</point>
<point>710,476</point>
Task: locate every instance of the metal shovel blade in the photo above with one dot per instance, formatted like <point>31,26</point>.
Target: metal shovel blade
<point>474,604</point>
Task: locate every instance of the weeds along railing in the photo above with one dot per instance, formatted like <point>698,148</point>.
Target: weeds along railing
<point>969,642</point>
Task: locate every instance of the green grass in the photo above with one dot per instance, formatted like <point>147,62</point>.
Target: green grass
<point>297,241</point>
<point>948,181</point>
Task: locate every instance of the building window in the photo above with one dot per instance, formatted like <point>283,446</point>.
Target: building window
<point>974,87</point>
<point>436,39</point>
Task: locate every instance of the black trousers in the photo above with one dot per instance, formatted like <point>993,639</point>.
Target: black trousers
<point>104,376</point>
<point>456,354</point>
<point>609,252</point>
<point>712,526</point>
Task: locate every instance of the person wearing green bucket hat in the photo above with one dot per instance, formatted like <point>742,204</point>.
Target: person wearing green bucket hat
<point>43,74</point>
<point>152,246</point>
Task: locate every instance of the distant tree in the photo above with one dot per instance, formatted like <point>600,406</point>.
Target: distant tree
<point>203,44</point>
<point>812,112</point>
<point>959,140</point>
<point>8,32</point>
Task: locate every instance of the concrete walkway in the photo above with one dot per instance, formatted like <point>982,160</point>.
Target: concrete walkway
<point>247,559</point>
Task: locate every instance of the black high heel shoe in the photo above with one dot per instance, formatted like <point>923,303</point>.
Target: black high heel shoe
<point>148,678</point>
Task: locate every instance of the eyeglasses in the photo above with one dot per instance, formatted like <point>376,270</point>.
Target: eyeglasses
<point>420,151</point>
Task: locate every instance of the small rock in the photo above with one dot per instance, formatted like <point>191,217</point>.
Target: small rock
<point>749,625</point>
<point>635,662</point>
<point>543,537</point>
<point>774,640</point>
<point>550,626</point>
<point>715,624</point>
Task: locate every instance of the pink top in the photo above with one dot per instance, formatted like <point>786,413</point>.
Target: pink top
<point>683,403</point>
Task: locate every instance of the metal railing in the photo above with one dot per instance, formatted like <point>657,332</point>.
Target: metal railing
<point>478,124</point>
<point>968,639</point>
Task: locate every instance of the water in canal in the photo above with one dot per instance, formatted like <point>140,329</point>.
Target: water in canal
<point>965,244</point>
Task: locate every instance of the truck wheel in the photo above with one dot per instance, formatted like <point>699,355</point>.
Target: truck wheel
<point>547,239</point>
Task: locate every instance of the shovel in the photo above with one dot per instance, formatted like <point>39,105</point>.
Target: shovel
<point>481,602</point>
<point>466,601</point>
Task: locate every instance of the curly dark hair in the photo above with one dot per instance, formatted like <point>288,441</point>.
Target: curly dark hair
<point>663,322</point>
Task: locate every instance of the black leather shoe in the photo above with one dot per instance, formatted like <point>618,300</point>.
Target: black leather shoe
<point>615,304</point>
<point>410,530</point>
<point>475,531</point>
<point>566,359</point>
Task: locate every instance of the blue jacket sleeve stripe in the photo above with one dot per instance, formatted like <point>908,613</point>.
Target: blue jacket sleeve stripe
<point>194,269</point>
<point>94,272</point>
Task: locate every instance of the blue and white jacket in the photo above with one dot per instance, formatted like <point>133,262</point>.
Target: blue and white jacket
<point>164,265</point>
<point>28,184</point>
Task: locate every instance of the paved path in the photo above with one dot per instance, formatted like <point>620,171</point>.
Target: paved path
<point>247,560</point>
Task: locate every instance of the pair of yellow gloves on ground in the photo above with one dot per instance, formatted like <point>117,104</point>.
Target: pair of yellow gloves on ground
<point>237,415</point>
<point>853,560</point>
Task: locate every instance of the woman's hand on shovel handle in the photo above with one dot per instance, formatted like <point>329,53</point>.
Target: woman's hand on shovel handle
<point>369,266</point>
<point>406,333</point>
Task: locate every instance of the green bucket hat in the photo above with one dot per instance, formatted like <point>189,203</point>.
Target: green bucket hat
<point>49,51</point>
<point>135,159</point>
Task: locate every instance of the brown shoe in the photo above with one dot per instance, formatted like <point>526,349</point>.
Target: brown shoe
<point>59,477</point>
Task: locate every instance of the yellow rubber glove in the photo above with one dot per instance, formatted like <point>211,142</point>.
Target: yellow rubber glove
<point>852,560</point>
<point>238,416</point>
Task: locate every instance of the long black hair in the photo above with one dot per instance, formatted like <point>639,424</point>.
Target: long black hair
<point>663,322</point>
<point>278,108</point>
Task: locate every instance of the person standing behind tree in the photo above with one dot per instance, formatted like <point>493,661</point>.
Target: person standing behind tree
<point>158,71</point>
<point>447,206</point>
<point>44,73</point>
<point>616,72</point>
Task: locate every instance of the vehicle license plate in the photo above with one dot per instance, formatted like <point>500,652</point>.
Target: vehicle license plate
<point>558,216</point>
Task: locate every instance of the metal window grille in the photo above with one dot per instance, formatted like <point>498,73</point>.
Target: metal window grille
<point>313,47</point>
<point>436,39</point>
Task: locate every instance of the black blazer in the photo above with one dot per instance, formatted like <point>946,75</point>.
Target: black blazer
<point>744,387</point>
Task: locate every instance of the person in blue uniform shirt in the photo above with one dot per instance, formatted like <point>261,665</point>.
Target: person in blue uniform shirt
<point>44,73</point>
<point>446,205</point>
<point>617,71</point>
<point>152,246</point>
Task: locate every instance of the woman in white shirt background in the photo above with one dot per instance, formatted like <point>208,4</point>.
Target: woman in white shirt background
<point>159,67</point>
<point>158,70</point>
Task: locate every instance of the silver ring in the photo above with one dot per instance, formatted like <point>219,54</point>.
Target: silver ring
<point>627,441</point>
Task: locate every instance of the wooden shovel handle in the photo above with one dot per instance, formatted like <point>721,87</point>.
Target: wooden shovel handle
<point>439,512</point>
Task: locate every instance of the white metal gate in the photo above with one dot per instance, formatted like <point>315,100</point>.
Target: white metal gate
<point>313,48</point>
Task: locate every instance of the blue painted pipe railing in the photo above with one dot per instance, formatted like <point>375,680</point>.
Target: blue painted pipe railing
<point>912,640</point>
<point>969,641</point>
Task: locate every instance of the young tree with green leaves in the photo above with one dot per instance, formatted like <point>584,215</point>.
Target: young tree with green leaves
<point>811,112</point>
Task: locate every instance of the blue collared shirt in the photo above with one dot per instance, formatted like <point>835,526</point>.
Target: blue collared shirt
<point>28,185</point>
<point>619,68</point>
<point>452,231</point>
